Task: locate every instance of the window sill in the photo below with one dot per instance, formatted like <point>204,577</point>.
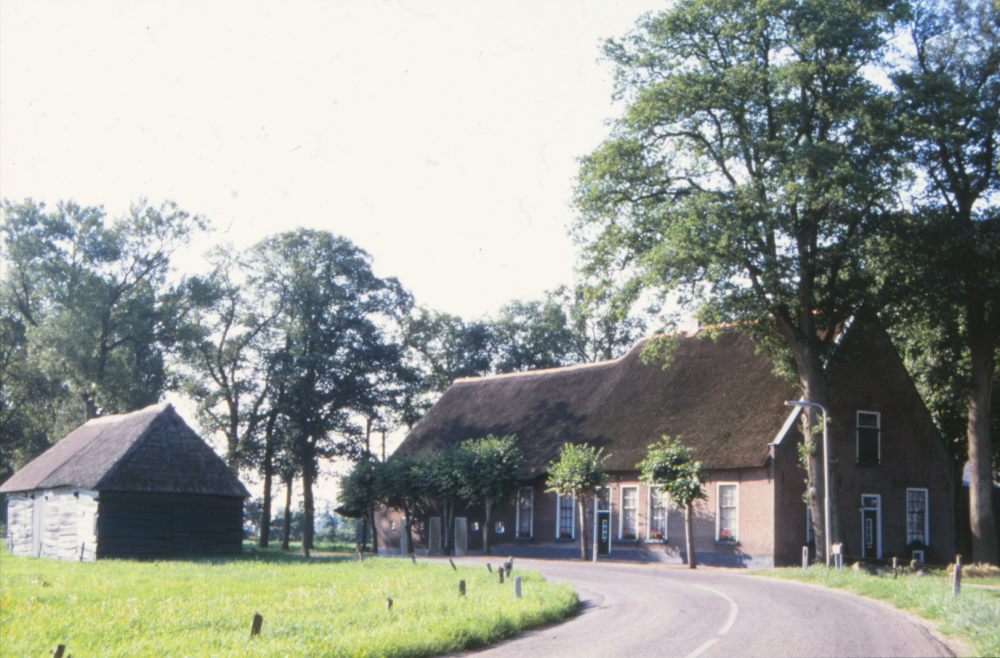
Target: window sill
<point>523,538</point>
<point>656,541</point>
<point>566,539</point>
<point>724,542</point>
<point>628,541</point>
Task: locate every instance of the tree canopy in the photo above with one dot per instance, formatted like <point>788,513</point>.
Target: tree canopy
<point>751,165</point>
<point>579,472</point>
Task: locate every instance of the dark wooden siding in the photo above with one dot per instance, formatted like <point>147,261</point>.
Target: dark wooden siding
<point>150,524</point>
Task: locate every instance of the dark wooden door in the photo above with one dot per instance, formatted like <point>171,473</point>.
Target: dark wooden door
<point>604,532</point>
<point>869,532</point>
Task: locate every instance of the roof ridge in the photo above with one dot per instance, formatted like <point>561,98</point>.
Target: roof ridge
<point>112,470</point>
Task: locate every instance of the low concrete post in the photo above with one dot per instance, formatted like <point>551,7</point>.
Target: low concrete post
<point>956,578</point>
<point>805,558</point>
<point>895,569</point>
<point>517,587</point>
<point>434,537</point>
<point>461,536</point>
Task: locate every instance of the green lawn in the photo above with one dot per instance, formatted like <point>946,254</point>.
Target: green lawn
<point>973,616</point>
<point>321,607</point>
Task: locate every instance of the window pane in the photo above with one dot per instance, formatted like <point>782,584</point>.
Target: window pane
<point>658,514</point>
<point>867,420</point>
<point>566,517</point>
<point>727,512</point>
<point>868,446</point>
<point>525,509</point>
<point>630,497</point>
<point>916,515</point>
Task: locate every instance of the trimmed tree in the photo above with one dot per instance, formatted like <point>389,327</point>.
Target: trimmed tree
<point>358,496</point>
<point>491,474</point>
<point>669,465</point>
<point>578,473</point>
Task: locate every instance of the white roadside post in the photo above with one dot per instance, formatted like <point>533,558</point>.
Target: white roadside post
<point>826,471</point>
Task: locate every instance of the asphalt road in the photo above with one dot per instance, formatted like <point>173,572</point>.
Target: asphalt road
<point>658,610</point>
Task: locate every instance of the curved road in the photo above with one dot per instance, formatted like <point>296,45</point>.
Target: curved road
<point>658,610</point>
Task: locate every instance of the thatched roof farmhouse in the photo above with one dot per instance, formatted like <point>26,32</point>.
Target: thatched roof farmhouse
<point>722,398</point>
<point>137,484</point>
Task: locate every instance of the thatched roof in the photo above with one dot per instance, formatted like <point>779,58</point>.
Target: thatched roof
<point>719,396</point>
<point>151,450</point>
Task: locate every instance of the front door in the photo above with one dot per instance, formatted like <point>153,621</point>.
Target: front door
<point>870,530</point>
<point>604,532</point>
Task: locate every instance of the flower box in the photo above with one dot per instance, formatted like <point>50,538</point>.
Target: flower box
<point>628,536</point>
<point>655,535</point>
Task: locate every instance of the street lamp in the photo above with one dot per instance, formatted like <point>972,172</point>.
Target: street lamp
<point>826,471</point>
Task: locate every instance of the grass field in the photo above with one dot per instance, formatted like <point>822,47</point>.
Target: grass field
<point>973,616</point>
<point>321,607</point>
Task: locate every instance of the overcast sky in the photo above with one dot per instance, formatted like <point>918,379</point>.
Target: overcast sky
<point>441,137</point>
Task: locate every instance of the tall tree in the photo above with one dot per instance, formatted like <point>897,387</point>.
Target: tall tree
<point>94,296</point>
<point>359,496</point>
<point>532,336</point>
<point>442,348</point>
<point>751,164</point>
<point>669,465</point>
<point>491,474</point>
<point>227,350</point>
<point>578,473</point>
<point>337,351</point>
<point>949,251</point>
<point>600,318</point>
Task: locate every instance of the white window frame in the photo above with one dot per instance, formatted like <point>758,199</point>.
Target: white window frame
<point>572,517</point>
<point>857,436</point>
<point>621,511</point>
<point>927,521</point>
<point>650,505</point>
<point>718,509</point>
<point>531,509</point>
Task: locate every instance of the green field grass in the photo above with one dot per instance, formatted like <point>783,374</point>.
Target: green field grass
<point>320,607</point>
<point>973,616</point>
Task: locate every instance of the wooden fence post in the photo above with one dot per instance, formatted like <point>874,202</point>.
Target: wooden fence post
<point>388,603</point>
<point>452,564</point>
<point>258,621</point>
<point>461,588</point>
<point>489,568</point>
<point>58,653</point>
<point>500,576</point>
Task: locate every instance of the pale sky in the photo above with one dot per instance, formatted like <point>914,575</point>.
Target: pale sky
<point>441,137</point>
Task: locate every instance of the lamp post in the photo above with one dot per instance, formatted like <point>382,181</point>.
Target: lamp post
<point>826,471</point>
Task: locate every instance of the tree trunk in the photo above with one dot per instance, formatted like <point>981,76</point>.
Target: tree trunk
<point>407,523</point>
<point>268,467</point>
<point>308,505</point>
<point>689,535</point>
<point>582,501</point>
<point>981,513</point>
<point>286,531</point>
<point>265,512</point>
<point>449,510</point>
<point>89,407</point>
<point>486,528</point>
<point>364,532</point>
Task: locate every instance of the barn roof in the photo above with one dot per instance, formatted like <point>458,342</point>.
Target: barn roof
<point>719,396</point>
<point>150,450</point>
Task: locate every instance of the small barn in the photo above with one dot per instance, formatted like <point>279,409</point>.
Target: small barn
<point>134,485</point>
